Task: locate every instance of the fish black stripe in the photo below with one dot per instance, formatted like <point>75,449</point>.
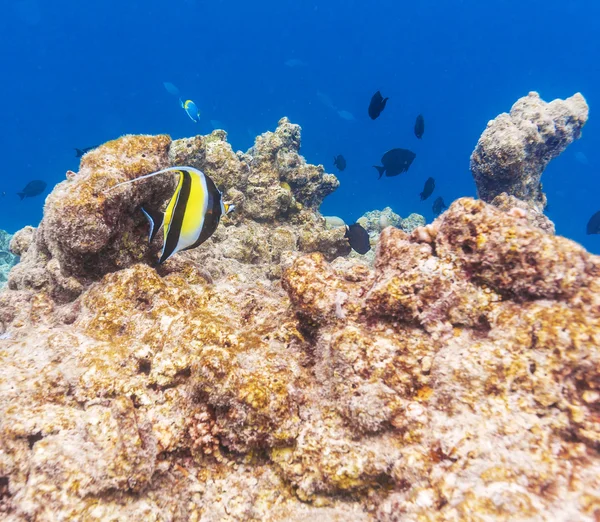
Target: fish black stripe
<point>178,214</point>
<point>213,212</point>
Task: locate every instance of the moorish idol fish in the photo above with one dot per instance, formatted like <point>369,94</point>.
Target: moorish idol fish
<point>191,110</point>
<point>193,212</point>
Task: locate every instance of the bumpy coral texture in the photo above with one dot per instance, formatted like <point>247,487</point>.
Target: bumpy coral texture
<point>515,148</point>
<point>458,378</point>
<point>89,230</point>
<point>527,211</point>
<point>8,258</point>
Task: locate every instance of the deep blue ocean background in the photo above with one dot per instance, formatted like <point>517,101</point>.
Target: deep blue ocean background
<point>76,74</point>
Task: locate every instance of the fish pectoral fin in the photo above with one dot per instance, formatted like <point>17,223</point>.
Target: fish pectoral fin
<point>156,219</point>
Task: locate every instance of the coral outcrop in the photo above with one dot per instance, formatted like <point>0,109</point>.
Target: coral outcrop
<point>515,148</point>
<point>532,214</point>
<point>376,220</point>
<point>88,231</point>
<point>265,377</point>
<point>7,257</point>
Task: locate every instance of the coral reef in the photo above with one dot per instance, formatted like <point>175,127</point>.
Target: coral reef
<point>264,376</point>
<point>518,208</point>
<point>515,148</point>
<point>87,232</point>
<point>7,258</point>
<point>376,220</point>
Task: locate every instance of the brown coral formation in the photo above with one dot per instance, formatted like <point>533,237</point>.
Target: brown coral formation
<point>520,209</point>
<point>457,379</point>
<point>515,148</point>
<point>88,232</point>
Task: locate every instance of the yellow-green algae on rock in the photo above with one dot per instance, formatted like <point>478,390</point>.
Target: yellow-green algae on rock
<point>456,379</point>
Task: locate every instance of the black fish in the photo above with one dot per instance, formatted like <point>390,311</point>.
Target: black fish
<point>593,226</point>
<point>358,238</point>
<point>419,126</point>
<point>438,206</point>
<point>428,189</point>
<point>339,162</point>
<point>377,105</point>
<point>395,161</point>
<point>33,188</point>
<point>81,152</point>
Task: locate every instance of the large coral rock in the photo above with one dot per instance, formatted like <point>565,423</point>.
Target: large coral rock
<point>479,349</point>
<point>515,148</point>
<point>89,230</point>
<point>456,379</point>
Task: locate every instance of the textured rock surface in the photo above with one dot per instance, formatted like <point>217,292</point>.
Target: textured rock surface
<point>87,232</point>
<point>529,212</point>
<point>456,379</point>
<point>7,257</point>
<point>515,148</point>
<point>376,220</point>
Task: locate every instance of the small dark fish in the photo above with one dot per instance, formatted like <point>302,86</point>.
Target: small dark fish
<point>438,206</point>
<point>395,161</point>
<point>358,238</point>
<point>419,126</point>
<point>33,188</point>
<point>339,162</point>
<point>593,226</point>
<point>428,189</point>
<point>81,152</point>
<point>377,105</point>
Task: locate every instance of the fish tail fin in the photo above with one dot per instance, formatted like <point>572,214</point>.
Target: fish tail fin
<point>163,171</point>
<point>21,195</point>
<point>78,153</point>
<point>156,219</point>
<point>381,170</point>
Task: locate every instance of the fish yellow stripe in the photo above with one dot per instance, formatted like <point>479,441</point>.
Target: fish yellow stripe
<point>195,211</point>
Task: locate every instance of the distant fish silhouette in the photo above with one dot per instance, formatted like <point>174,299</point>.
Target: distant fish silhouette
<point>377,105</point>
<point>346,115</point>
<point>419,126</point>
<point>294,62</point>
<point>438,206</point>
<point>582,158</point>
<point>171,89</point>
<point>81,152</point>
<point>33,188</point>
<point>593,226</point>
<point>340,162</point>
<point>428,189</point>
<point>326,100</point>
<point>395,161</point>
<point>358,238</point>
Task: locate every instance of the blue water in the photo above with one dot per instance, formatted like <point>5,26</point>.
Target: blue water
<point>75,74</point>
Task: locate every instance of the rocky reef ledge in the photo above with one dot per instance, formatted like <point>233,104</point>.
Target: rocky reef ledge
<point>269,376</point>
<point>7,258</point>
